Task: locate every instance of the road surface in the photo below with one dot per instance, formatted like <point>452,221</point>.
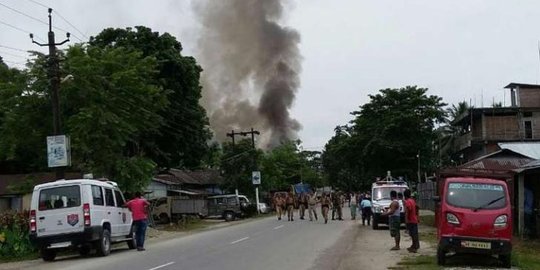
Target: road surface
<point>261,244</point>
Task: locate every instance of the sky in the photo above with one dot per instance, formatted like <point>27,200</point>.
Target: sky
<point>462,50</point>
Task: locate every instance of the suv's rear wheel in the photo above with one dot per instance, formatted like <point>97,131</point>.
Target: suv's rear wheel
<point>229,216</point>
<point>132,243</point>
<point>103,245</point>
<point>48,255</point>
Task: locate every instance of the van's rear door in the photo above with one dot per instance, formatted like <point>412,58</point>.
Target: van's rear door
<point>59,210</point>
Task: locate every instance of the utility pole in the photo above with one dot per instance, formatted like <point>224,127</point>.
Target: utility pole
<point>253,133</point>
<point>54,82</point>
<point>232,134</point>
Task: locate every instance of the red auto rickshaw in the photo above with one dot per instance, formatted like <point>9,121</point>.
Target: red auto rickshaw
<point>474,216</point>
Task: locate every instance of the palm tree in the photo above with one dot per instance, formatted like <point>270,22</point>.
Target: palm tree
<point>449,132</point>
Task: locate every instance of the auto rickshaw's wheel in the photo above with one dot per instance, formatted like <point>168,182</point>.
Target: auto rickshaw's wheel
<point>506,260</point>
<point>441,256</point>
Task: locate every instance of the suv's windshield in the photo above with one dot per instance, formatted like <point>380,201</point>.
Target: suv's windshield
<point>383,193</point>
<point>476,196</point>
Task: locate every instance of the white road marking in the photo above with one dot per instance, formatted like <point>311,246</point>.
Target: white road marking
<point>278,227</point>
<point>161,266</point>
<point>239,240</point>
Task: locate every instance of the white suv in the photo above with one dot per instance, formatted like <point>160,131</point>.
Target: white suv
<point>81,213</point>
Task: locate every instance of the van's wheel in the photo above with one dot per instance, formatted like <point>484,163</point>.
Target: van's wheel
<point>375,224</point>
<point>103,245</point>
<point>132,243</point>
<point>229,216</point>
<point>441,256</point>
<point>506,260</point>
<point>85,249</point>
<point>48,255</point>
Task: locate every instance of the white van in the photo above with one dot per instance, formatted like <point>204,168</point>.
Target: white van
<point>82,214</point>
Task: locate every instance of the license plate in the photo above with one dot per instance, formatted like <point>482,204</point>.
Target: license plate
<point>474,244</point>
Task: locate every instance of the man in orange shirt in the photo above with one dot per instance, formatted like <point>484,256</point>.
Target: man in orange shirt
<point>137,206</point>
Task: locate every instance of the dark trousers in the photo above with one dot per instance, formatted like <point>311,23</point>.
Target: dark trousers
<point>140,231</point>
<point>530,225</point>
<point>412,228</point>
<point>366,215</point>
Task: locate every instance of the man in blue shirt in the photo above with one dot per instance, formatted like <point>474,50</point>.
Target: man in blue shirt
<point>365,205</point>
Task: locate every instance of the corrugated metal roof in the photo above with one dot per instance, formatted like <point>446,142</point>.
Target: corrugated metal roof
<point>503,160</point>
<point>530,149</point>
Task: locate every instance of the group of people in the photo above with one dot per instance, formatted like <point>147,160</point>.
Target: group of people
<point>286,203</point>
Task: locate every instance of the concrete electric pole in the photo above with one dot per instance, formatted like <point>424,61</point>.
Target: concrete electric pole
<point>54,82</point>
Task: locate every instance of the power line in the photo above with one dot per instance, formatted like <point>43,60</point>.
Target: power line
<point>36,19</point>
<point>20,29</point>
<point>11,54</point>
<point>61,17</point>
<point>11,48</point>
<point>16,63</point>
<point>77,29</point>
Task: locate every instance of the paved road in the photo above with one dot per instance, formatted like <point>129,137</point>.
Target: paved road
<point>262,244</point>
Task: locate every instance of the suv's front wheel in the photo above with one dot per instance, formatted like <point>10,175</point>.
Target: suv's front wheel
<point>132,243</point>
<point>103,245</point>
<point>229,216</point>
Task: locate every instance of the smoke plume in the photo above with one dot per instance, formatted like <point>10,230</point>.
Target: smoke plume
<point>251,68</point>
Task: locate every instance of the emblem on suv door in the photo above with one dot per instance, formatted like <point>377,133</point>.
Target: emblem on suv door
<point>73,219</point>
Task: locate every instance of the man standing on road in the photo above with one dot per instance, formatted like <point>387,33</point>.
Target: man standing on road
<point>325,206</point>
<point>279,202</point>
<point>312,203</point>
<point>411,219</point>
<point>365,205</point>
<point>336,206</point>
<point>138,207</point>
<point>352,204</point>
<point>394,219</point>
<point>290,206</point>
<point>303,203</point>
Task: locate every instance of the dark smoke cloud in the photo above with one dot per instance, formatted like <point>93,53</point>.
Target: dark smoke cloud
<point>252,66</point>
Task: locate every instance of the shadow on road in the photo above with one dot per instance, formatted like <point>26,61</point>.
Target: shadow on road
<point>74,255</point>
<point>472,260</point>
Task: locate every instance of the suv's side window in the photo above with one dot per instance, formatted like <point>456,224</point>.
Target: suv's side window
<point>109,197</point>
<point>97,195</point>
<point>119,198</point>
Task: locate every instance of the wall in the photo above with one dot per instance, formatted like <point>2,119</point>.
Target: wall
<point>157,189</point>
<point>529,97</point>
<point>501,127</point>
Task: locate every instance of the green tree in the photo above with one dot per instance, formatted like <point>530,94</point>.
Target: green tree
<point>386,134</point>
<point>449,132</point>
<point>237,163</point>
<point>181,140</point>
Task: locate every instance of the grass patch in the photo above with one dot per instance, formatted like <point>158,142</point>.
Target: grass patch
<point>525,254</point>
<point>423,262</point>
<point>428,220</point>
<point>30,256</point>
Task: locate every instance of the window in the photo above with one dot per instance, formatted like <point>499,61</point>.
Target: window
<point>469,195</point>
<point>59,197</point>
<point>119,198</point>
<point>527,114</point>
<point>109,197</point>
<point>383,193</point>
<point>97,195</point>
<point>528,130</point>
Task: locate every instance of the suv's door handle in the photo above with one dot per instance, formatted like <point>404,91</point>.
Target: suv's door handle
<point>41,218</point>
<point>108,213</point>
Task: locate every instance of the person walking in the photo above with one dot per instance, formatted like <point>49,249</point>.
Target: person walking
<point>352,205</point>
<point>325,206</point>
<point>303,205</point>
<point>138,207</point>
<point>336,206</point>
<point>411,220</point>
<point>394,219</point>
<point>365,206</point>
<point>279,202</point>
<point>289,202</point>
<point>312,203</point>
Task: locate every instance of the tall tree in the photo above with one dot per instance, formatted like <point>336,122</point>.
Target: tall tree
<point>181,141</point>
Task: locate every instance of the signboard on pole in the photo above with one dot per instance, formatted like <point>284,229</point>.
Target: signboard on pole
<point>256,177</point>
<point>58,151</point>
